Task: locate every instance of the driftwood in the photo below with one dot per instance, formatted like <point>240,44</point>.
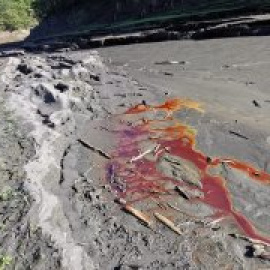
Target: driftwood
<point>260,251</point>
<point>136,213</point>
<point>183,192</point>
<point>167,222</point>
<point>260,248</point>
<point>146,152</point>
<point>94,149</point>
<point>188,193</point>
<point>238,135</point>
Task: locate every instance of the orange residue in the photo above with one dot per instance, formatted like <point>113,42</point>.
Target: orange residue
<point>143,180</point>
<point>170,106</point>
<point>173,105</point>
<point>255,174</point>
<point>177,131</point>
<point>138,109</point>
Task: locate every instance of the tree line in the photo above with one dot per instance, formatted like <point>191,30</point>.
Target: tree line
<point>16,14</point>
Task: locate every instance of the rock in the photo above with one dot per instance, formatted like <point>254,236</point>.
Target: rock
<point>171,62</point>
<point>12,53</point>
<point>261,251</point>
<point>95,77</point>
<point>62,87</point>
<point>64,73</point>
<point>93,60</point>
<point>168,73</point>
<point>25,69</point>
<point>225,66</point>
<point>180,169</point>
<point>62,65</point>
<point>256,104</point>
<point>189,193</point>
<point>79,72</point>
<point>47,98</point>
<point>42,74</point>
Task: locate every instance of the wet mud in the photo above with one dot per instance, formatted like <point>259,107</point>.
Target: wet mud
<point>23,246</point>
<point>136,178</point>
<point>90,180</point>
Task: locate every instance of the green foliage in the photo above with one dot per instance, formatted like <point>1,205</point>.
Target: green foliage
<point>6,194</point>
<point>16,14</point>
<point>4,261</point>
<point>19,14</point>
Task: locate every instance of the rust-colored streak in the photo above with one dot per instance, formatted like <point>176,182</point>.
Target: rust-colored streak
<point>170,106</point>
<point>138,109</point>
<point>178,131</point>
<point>141,180</point>
<point>255,174</point>
<point>216,193</point>
<point>182,149</point>
<point>177,104</point>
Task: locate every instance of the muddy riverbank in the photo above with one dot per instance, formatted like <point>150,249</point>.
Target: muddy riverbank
<point>61,114</point>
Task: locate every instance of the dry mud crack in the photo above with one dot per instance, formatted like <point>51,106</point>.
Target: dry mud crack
<point>59,211</point>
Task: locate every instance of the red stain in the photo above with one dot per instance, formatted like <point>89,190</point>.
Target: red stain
<point>173,105</point>
<point>170,106</point>
<point>142,180</point>
<point>138,109</point>
<point>257,175</point>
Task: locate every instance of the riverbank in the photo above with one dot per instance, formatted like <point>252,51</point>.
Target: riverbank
<point>70,106</point>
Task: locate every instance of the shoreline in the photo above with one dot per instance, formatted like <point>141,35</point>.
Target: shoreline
<point>72,102</point>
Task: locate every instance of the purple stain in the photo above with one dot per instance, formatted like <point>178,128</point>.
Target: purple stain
<point>129,133</point>
<point>128,151</point>
<point>110,171</point>
<point>133,132</point>
<point>116,183</point>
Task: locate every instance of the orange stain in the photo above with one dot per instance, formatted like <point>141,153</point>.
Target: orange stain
<point>255,174</point>
<point>177,131</point>
<point>171,105</point>
<point>140,108</point>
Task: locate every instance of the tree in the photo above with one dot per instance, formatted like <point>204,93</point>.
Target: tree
<point>15,14</point>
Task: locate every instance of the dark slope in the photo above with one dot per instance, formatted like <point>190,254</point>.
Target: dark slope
<point>123,15</point>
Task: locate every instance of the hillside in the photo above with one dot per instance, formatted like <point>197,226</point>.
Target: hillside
<point>58,17</point>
